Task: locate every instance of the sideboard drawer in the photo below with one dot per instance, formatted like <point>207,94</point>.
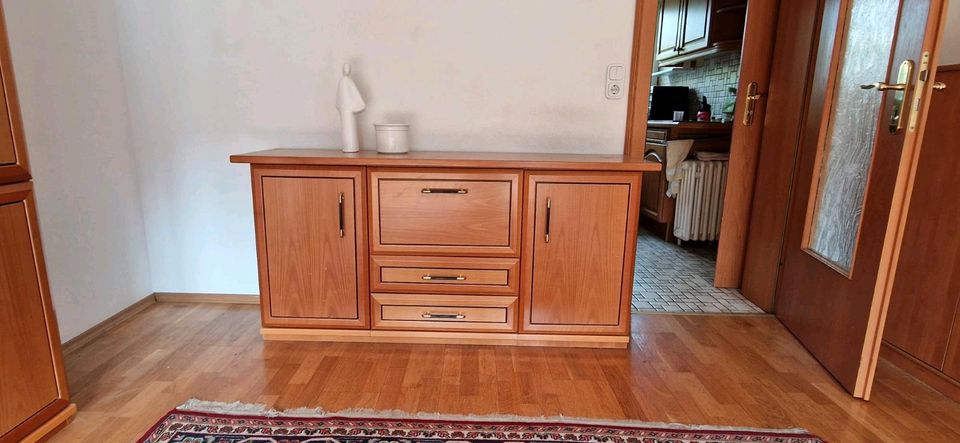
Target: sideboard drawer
<point>444,312</point>
<point>442,213</point>
<point>466,275</point>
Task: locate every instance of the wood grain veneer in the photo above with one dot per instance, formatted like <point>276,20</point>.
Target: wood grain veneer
<point>310,274</point>
<point>447,159</point>
<point>32,376</point>
<point>483,220</point>
<point>496,276</point>
<point>14,166</point>
<point>579,280</point>
<point>480,313</point>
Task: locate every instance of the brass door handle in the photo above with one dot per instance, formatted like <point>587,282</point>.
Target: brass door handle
<point>429,277</point>
<point>457,315</point>
<point>939,86</point>
<point>750,102</point>
<point>444,191</point>
<point>881,86</point>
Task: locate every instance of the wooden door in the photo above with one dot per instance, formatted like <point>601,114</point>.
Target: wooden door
<point>670,21</point>
<point>312,246</point>
<point>844,219</point>
<point>13,156</point>
<point>926,290</point>
<point>31,370</point>
<point>696,22</point>
<point>580,245</point>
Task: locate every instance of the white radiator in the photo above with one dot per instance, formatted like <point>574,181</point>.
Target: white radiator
<point>700,200</point>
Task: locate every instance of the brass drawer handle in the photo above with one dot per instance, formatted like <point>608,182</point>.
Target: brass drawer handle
<point>444,191</point>
<point>546,234</point>
<point>429,277</point>
<point>457,316</point>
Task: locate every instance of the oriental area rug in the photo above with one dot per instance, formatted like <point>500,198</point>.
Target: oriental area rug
<point>202,422</point>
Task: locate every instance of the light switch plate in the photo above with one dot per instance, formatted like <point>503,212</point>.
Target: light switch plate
<point>615,79</point>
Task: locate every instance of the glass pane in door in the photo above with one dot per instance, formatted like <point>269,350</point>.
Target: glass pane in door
<point>847,148</point>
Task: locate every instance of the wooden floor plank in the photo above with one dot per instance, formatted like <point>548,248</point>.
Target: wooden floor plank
<point>707,370</point>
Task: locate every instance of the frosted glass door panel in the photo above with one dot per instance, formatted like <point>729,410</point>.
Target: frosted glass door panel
<point>854,117</point>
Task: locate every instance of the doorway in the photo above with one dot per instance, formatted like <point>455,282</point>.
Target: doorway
<point>690,91</point>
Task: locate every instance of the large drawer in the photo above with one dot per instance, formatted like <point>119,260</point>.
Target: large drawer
<point>444,213</point>
<point>444,312</point>
<point>466,275</point>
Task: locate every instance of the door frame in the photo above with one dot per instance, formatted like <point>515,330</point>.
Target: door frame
<point>758,44</point>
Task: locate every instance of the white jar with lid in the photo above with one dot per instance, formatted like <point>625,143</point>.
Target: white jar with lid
<point>392,138</point>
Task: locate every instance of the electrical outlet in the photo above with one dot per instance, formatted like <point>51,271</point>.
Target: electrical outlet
<point>615,79</point>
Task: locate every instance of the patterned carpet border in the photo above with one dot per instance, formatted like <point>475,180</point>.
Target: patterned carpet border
<point>201,421</point>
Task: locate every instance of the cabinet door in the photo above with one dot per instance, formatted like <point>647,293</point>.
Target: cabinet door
<point>311,247</point>
<point>579,253</point>
<point>13,156</point>
<point>670,23</point>
<point>696,22</point>
<point>31,372</point>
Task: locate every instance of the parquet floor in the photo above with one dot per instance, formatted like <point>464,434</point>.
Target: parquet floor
<point>721,370</point>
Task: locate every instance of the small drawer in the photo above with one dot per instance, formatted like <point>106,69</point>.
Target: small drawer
<point>444,312</point>
<point>658,135</point>
<point>442,213</point>
<point>444,275</point>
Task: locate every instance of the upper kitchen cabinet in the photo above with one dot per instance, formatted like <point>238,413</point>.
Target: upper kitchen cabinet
<point>690,29</point>
<point>13,156</point>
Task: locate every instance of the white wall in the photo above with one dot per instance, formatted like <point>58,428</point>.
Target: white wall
<point>951,35</point>
<point>70,82</point>
<point>207,79</point>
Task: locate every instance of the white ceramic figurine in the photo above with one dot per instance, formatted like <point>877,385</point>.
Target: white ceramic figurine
<point>349,103</point>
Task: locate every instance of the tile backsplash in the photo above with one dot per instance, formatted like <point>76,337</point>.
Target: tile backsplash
<point>711,78</point>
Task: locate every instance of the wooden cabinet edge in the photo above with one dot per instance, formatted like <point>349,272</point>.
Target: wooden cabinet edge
<point>61,419</point>
<point>438,337</point>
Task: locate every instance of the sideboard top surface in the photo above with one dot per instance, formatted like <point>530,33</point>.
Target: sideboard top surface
<point>449,159</point>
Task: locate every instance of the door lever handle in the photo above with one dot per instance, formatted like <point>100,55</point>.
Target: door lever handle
<point>939,86</point>
<point>881,86</point>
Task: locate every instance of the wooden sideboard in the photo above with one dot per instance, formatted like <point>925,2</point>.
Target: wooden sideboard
<point>34,401</point>
<point>446,247</point>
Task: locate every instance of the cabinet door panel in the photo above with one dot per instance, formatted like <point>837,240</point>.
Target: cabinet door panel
<point>28,377</point>
<point>312,273</point>
<point>13,156</point>
<point>695,25</point>
<point>669,22</point>
<point>580,272</point>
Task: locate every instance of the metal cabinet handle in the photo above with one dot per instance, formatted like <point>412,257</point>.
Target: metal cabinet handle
<point>750,100</point>
<point>444,191</point>
<point>881,86</point>
<point>340,213</point>
<point>546,229</point>
<point>939,86</point>
<point>654,155</point>
<point>429,277</point>
<point>457,315</point>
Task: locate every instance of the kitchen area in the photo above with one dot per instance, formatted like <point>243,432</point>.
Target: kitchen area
<point>691,110</point>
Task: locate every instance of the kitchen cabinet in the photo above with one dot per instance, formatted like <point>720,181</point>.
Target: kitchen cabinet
<point>689,29</point>
<point>443,246</point>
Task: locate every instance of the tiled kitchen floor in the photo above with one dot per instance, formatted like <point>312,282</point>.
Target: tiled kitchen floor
<point>671,278</point>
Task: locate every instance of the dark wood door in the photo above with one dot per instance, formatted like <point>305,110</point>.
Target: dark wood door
<point>696,23</point>
<point>311,240</point>
<point>31,373</point>
<point>926,290</point>
<point>831,293</point>
<point>581,250</point>
<point>669,22</point>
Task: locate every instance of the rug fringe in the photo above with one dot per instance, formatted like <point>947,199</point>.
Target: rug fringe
<point>238,408</point>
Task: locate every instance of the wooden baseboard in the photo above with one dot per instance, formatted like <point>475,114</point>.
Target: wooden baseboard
<point>53,425</point>
<point>430,337</point>
<point>189,297</point>
<point>101,328</point>
<point>927,374</point>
